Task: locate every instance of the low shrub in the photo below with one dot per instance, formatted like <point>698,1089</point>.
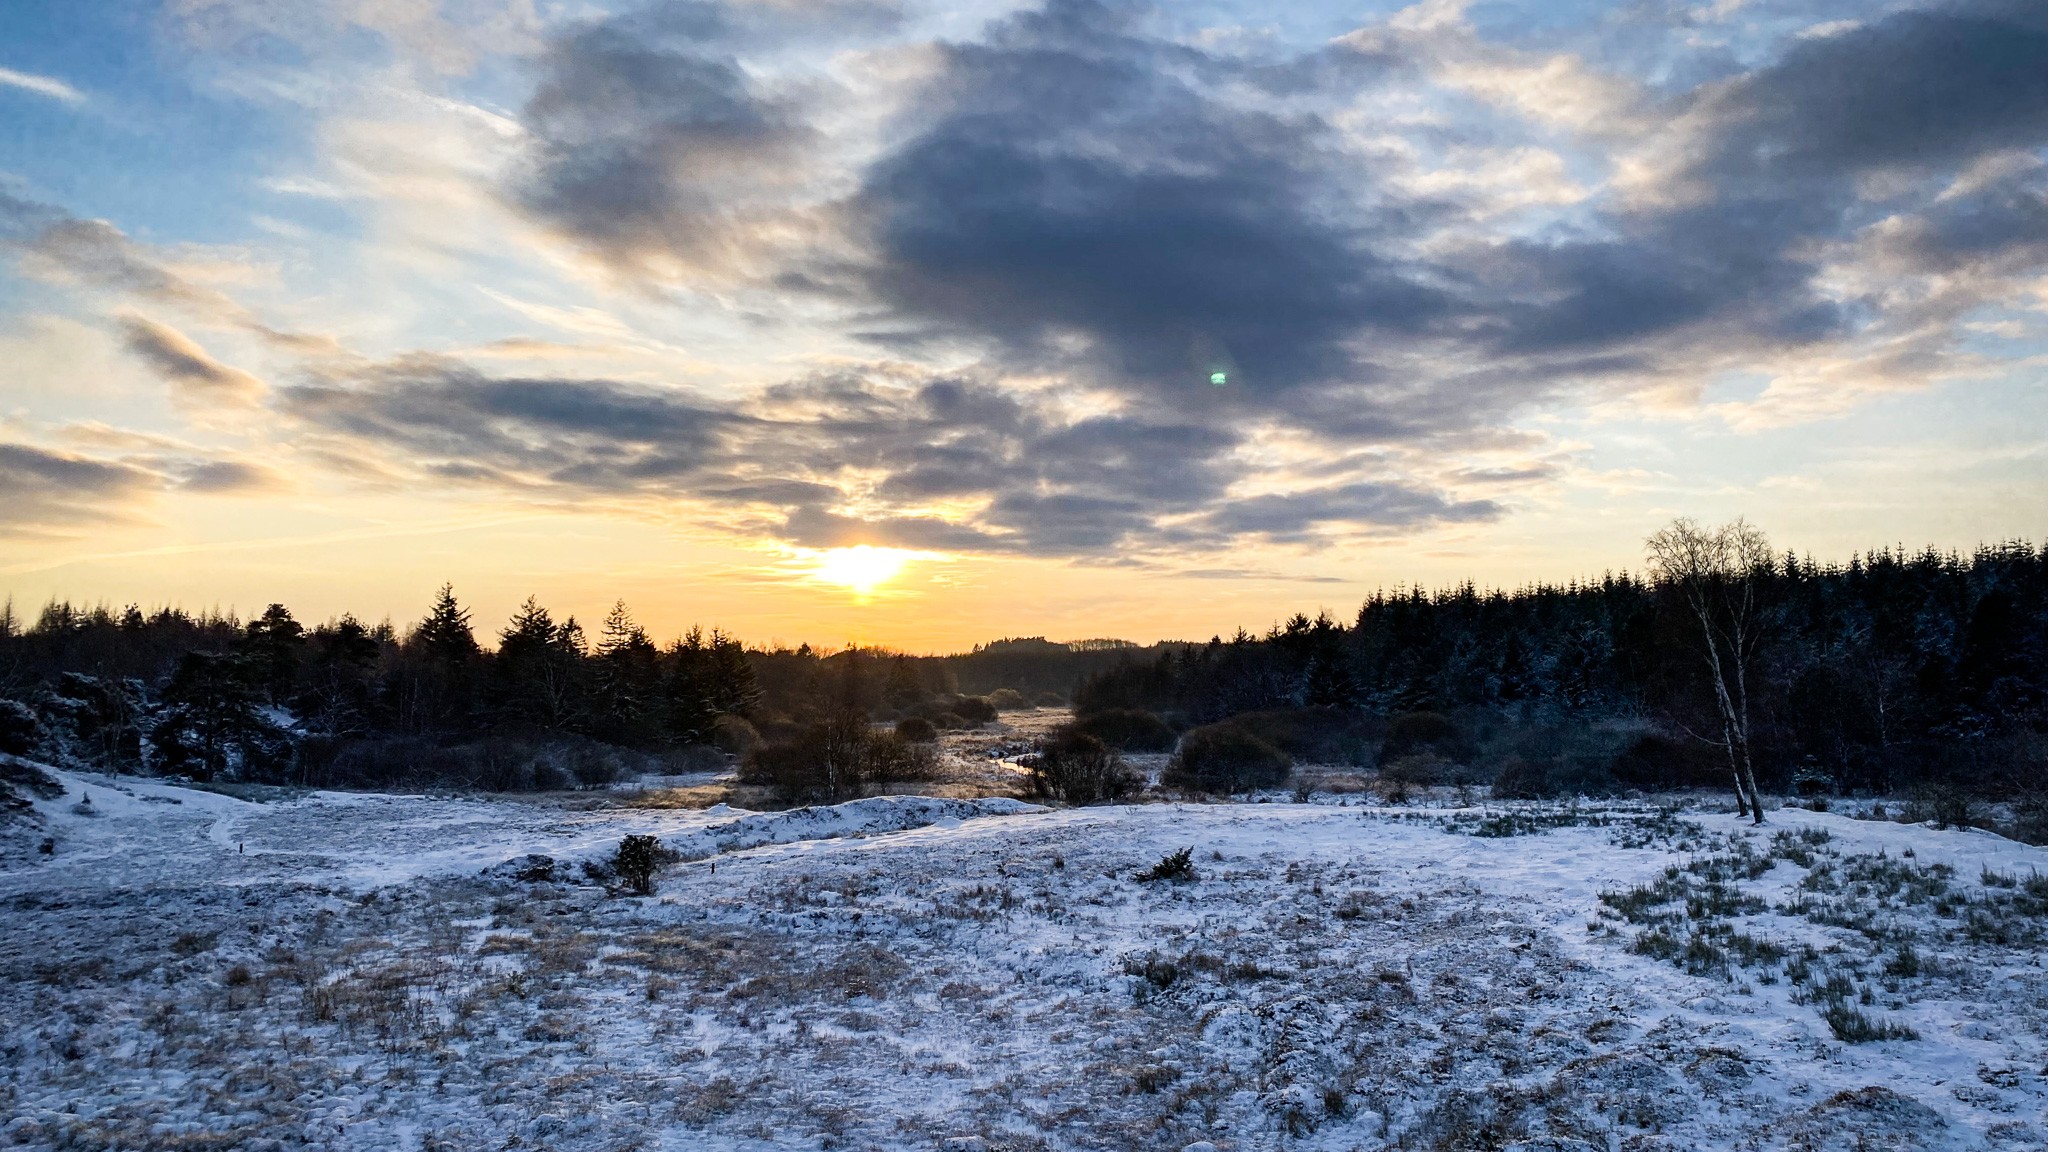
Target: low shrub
<point>1414,733</point>
<point>917,730</point>
<point>2030,819</point>
<point>1652,762</point>
<point>1049,700</point>
<point>892,758</point>
<point>734,735</point>
<point>1078,768</point>
<point>973,709</point>
<point>838,758</point>
<point>1173,866</point>
<point>1427,770</point>
<point>497,764</point>
<point>1522,778</point>
<point>1948,805</point>
<point>1225,758</point>
<point>1313,735</point>
<point>821,761</point>
<point>693,759</point>
<point>635,861</point>
<point>1008,700</point>
<point>17,727</point>
<point>1127,730</point>
<point>957,711</point>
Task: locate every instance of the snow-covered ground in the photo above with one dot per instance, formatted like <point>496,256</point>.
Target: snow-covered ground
<point>186,970</point>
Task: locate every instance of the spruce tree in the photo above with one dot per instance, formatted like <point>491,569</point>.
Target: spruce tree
<point>628,679</point>
<point>273,644</point>
<point>444,636</point>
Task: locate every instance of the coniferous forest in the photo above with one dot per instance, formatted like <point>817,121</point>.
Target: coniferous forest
<point>1894,673</point>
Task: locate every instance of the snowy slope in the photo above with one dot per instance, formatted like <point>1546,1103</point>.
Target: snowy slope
<point>194,971</point>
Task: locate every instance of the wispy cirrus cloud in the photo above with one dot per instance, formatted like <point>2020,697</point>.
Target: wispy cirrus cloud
<point>48,86</point>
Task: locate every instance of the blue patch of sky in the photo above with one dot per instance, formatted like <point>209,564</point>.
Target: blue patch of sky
<point>162,156</point>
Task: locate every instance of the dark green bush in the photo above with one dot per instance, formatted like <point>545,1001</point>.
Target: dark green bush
<point>635,861</point>
<point>1173,866</point>
<point>1008,700</point>
<point>892,758</point>
<point>1127,730</point>
<point>1226,758</point>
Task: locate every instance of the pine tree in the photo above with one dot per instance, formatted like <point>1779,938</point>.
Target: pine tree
<point>537,674</point>
<point>210,724</point>
<point>735,689</point>
<point>689,690</point>
<point>342,658</point>
<point>436,685</point>
<point>628,679</point>
<point>273,644</point>
<point>444,636</point>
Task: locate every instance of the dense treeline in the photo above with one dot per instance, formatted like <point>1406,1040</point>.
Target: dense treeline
<point>1891,673</point>
<point>343,703</point>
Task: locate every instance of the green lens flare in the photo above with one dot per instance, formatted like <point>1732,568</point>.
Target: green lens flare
<point>1219,378</point>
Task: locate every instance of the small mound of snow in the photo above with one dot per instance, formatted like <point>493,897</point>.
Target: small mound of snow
<point>30,777</point>
<point>738,830</point>
<point>872,816</point>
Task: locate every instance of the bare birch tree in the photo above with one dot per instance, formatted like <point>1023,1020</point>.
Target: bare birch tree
<point>1720,573</point>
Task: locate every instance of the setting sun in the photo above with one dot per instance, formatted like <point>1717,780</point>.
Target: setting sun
<point>861,568</point>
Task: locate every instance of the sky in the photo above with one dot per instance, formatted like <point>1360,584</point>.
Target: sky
<point>921,324</point>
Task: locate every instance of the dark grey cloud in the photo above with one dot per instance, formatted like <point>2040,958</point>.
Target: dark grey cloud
<point>1779,166</point>
<point>1296,515</point>
<point>590,435</point>
<point>643,148</point>
<point>228,478</point>
<point>52,493</point>
<point>840,459</point>
<point>652,144</point>
<point>194,375</point>
<point>1075,177</point>
<point>1917,89</point>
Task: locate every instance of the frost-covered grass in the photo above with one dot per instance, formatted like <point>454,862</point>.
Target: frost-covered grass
<point>191,970</point>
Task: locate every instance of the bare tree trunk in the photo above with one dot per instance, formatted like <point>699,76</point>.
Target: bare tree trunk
<point>1730,737</point>
<point>1719,569</point>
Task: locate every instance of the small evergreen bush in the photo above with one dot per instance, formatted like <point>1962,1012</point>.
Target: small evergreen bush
<point>635,861</point>
<point>1173,866</point>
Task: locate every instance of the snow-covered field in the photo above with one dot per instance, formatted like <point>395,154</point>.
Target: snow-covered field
<point>187,970</point>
